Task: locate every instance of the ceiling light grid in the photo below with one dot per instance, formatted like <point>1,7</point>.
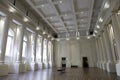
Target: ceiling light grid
<point>57,13</point>
<point>73,9</point>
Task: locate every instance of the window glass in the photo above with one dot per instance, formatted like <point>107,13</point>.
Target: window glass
<point>9,43</point>
<point>45,50</point>
<point>38,49</point>
<point>24,51</point>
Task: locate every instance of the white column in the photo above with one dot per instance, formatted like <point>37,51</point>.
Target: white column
<point>19,66</point>
<point>47,62</point>
<point>116,30</point>
<point>98,54</point>
<point>110,64</point>
<point>3,41</point>
<point>34,65</point>
<point>42,65</point>
<point>19,43</point>
<point>104,52</point>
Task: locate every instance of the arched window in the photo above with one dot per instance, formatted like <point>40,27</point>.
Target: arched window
<point>38,49</point>
<point>50,53</point>
<point>24,50</point>
<point>9,45</point>
<point>44,50</point>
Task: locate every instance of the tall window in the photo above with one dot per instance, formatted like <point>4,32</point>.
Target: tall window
<point>38,48</point>
<point>24,51</point>
<point>32,46</point>
<point>49,51</point>
<point>44,50</point>
<point>9,45</point>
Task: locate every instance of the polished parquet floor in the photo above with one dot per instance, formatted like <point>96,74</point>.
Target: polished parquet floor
<point>69,74</point>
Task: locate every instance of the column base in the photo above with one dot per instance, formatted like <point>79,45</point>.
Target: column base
<point>101,66</point>
<point>3,69</point>
<point>98,64</point>
<point>111,67</point>
<point>34,66</point>
<point>19,67</point>
<point>104,66</point>
<point>45,65</point>
<point>40,65</point>
<point>118,68</point>
<point>50,64</point>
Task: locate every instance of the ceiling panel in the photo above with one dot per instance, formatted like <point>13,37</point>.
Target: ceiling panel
<point>68,16</point>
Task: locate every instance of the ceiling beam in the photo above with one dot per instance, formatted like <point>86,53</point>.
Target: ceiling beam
<point>30,3</point>
<point>91,5</point>
<point>52,4</point>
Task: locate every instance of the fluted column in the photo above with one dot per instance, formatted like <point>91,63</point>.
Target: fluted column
<point>34,64</point>
<point>101,55</point>
<point>3,40</point>
<point>34,49</point>
<point>104,52</point>
<point>19,43</point>
<point>47,60</point>
<point>116,29</point>
<point>110,64</point>
<point>41,63</point>
<point>98,54</point>
<point>108,46</point>
<point>19,66</point>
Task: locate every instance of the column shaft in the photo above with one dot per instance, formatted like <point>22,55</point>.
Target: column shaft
<point>4,36</point>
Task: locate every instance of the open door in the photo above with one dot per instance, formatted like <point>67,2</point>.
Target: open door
<point>85,62</point>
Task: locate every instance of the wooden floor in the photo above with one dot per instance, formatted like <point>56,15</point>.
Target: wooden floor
<point>70,74</point>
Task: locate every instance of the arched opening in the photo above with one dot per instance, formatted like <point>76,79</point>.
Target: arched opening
<point>38,49</point>
<point>24,50</point>
<point>9,46</point>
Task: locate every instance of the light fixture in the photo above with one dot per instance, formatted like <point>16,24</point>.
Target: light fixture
<point>60,2</point>
<point>118,12</point>
<point>94,35</point>
<point>37,28</point>
<point>107,5</point>
<point>48,36</point>
<point>44,32</point>
<point>51,17</point>
<point>52,38</point>
<point>67,39</point>
<point>88,37</point>
<point>77,38</point>
<point>97,26</point>
<point>42,5</point>
<point>96,31</point>
<point>100,19</point>
<point>11,9</point>
<point>25,19</point>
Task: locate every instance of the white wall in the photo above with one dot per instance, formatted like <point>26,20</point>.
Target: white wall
<point>74,50</point>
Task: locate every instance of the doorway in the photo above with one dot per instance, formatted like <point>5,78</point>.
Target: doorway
<point>85,62</point>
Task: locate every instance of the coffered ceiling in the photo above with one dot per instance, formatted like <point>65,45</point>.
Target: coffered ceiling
<point>68,16</point>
